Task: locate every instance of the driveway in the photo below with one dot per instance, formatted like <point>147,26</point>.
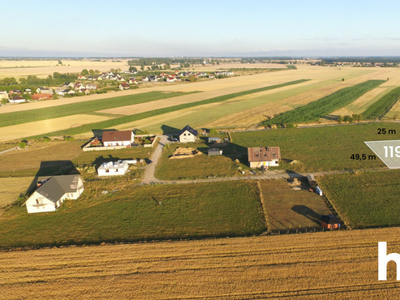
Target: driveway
<point>150,169</point>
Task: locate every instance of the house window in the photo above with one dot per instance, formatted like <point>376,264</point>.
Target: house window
<point>107,171</point>
<point>37,201</point>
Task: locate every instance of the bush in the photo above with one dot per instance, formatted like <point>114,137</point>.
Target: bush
<point>22,145</point>
<point>69,138</point>
<point>46,139</point>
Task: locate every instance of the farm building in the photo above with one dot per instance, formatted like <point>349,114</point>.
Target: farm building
<point>17,99</point>
<point>113,168</point>
<point>263,156</point>
<point>187,135</point>
<point>330,222</point>
<point>50,195</point>
<point>214,151</point>
<point>117,138</point>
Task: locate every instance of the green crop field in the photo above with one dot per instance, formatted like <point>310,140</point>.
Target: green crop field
<point>320,148</point>
<point>382,106</point>
<point>366,199</point>
<point>134,213</point>
<point>315,110</point>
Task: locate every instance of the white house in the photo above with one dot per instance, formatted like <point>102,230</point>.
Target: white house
<point>264,156</point>
<point>3,95</point>
<point>49,196</point>
<point>44,90</point>
<point>113,168</point>
<point>17,99</point>
<point>187,135</point>
<point>117,138</point>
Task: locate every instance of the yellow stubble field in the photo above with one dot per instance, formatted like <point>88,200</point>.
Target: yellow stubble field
<point>304,266</point>
<point>43,68</point>
<point>36,128</point>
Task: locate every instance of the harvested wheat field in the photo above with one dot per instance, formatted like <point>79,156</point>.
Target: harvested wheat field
<point>43,68</point>
<point>39,127</point>
<point>341,265</point>
<point>12,187</point>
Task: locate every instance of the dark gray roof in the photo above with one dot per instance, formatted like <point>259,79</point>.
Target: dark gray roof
<point>54,188</point>
<point>190,129</point>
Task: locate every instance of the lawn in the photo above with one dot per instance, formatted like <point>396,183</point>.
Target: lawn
<point>133,213</point>
<point>365,199</point>
<point>320,148</point>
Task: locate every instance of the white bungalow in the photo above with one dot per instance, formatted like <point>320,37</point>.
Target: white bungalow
<point>49,196</point>
<point>113,168</point>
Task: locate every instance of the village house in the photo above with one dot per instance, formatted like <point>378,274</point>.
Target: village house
<point>44,90</point>
<point>132,81</point>
<point>41,96</point>
<point>263,156</point>
<point>3,95</point>
<point>124,86</point>
<point>91,86</point>
<point>81,77</point>
<point>49,196</point>
<point>117,138</point>
<point>187,135</point>
<point>113,168</point>
<point>15,92</point>
<point>17,99</point>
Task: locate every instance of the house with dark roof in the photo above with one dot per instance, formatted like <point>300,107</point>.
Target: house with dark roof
<point>117,138</point>
<point>264,156</point>
<point>187,135</point>
<point>49,196</point>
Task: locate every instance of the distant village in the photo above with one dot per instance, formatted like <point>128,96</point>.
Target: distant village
<point>85,85</point>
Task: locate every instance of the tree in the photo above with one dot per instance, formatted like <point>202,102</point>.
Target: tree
<point>340,119</point>
<point>348,119</point>
<point>133,69</point>
<point>91,71</point>
<point>142,67</point>
<point>85,72</point>
<point>59,62</point>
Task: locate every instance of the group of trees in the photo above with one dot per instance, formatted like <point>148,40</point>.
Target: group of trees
<point>350,119</point>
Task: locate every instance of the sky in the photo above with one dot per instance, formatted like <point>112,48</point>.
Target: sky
<point>204,28</point>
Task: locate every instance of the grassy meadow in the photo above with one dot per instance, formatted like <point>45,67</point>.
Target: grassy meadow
<point>132,213</point>
<point>365,199</point>
<point>320,148</point>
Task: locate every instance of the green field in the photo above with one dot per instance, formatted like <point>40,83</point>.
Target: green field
<point>382,106</point>
<point>366,199</point>
<point>320,148</point>
<point>133,213</point>
<point>313,111</point>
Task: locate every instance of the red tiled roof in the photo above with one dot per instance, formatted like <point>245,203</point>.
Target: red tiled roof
<point>263,153</point>
<point>111,136</point>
